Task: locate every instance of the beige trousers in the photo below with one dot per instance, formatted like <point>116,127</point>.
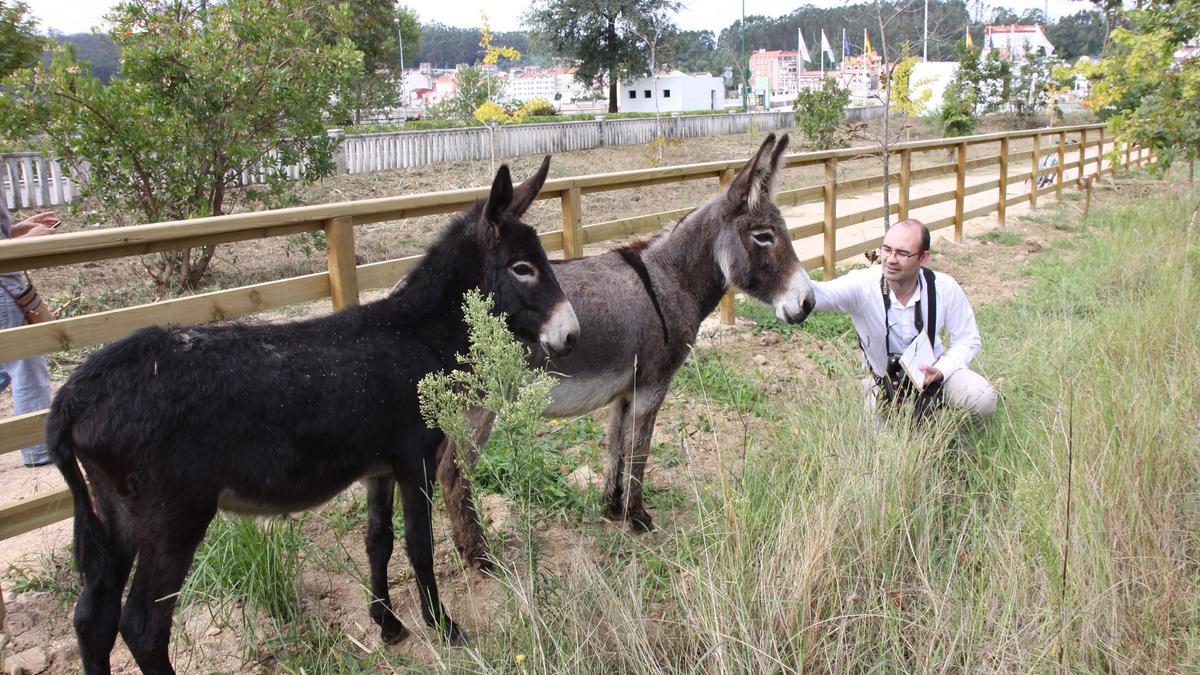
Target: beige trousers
<point>965,389</point>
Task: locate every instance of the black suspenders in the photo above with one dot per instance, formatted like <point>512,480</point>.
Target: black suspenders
<point>930,327</point>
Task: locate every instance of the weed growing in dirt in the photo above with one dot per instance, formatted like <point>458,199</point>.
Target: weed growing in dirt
<point>54,574</point>
<point>708,375</point>
<point>1002,237</point>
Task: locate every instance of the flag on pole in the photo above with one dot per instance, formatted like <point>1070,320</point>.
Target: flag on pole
<point>970,42</point>
<point>803,47</point>
<point>845,45</point>
<point>825,48</point>
<point>867,43</point>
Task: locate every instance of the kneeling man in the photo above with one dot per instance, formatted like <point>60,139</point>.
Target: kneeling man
<point>890,305</point>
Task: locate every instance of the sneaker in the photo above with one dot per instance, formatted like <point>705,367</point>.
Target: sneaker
<point>37,462</point>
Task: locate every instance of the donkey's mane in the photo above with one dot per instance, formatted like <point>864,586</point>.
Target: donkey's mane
<point>445,268</point>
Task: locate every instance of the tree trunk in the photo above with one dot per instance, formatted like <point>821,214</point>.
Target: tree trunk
<point>612,66</point>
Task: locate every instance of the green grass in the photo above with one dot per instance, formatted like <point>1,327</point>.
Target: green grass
<point>709,376</point>
<point>840,545</point>
<point>822,325</point>
<point>1002,237</point>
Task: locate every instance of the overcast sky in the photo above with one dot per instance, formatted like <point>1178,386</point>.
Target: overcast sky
<point>77,16</point>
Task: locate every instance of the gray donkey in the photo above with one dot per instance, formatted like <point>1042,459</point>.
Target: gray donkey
<point>639,309</point>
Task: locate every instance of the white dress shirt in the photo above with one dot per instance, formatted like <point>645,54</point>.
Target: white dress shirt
<point>857,293</point>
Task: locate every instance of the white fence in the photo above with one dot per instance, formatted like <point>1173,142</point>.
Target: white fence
<point>404,149</point>
<point>30,180</point>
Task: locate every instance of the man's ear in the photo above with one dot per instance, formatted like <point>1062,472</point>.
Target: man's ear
<point>525,193</point>
<point>498,202</point>
<point>751,185</point>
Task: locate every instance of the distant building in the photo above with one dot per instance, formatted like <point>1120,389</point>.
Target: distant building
<point>779,67</point>
<point>677,92</point>
<point>932,77</point>
<point>1010,42</point>
<point>557,85</point>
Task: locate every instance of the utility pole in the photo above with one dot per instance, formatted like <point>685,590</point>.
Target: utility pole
<point>400,34</point>
<point>925,40</point>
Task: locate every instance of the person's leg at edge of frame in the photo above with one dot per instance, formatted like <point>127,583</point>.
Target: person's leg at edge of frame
<point>30,379</point>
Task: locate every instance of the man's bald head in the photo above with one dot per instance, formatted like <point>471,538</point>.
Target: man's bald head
<point>921,229</point>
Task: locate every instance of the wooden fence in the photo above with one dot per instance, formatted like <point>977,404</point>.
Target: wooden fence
<point>344,278</point>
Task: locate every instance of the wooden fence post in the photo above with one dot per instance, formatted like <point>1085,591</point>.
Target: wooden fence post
<point>343,270</point>
<point>905,181</point>
<point>1100,155</point>
<point>1082,154</point>
<point>960,186</point>
<point>1126,155</point>
<point>572,217</point>
<point>1002,205</point>
<point>830,253</point>
<point>728,314</point>
<point>1034,174</point>
<point>1062,157</point>
<point>1087,196</point>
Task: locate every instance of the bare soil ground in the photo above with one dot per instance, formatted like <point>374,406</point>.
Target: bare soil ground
<point>692,440</point>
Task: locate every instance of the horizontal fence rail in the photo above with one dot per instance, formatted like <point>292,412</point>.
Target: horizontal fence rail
<point>342,281</point>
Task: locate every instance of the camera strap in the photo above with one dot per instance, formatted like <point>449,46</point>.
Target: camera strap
<point>930,327</point>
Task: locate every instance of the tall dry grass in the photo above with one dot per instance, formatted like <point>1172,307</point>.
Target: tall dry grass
<point>847,546</point>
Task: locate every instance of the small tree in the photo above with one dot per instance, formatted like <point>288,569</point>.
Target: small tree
<point>202,97</point>
<point>820,113</point>
<point>1150,98</point>
<point>1031,85</point>
<point>19,42</point>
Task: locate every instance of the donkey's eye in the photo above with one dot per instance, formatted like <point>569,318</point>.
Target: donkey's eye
<point>523,271</point>
<point>764,238</point>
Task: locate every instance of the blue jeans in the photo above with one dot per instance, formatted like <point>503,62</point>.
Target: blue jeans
<point>30,378</point>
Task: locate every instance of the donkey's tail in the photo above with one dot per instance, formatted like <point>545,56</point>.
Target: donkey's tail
<point>93,557</point>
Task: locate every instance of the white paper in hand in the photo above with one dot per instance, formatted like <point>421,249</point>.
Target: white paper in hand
<point>919,353</point>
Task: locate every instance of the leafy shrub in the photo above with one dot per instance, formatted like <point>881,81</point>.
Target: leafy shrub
<point>820,113</point>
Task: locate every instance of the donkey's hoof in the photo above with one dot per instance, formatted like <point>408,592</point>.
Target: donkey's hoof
<point>483,563</point>
<point>614,511</point>
<point>455,635</point>
<point>393,631</point>
<point>640,521</point>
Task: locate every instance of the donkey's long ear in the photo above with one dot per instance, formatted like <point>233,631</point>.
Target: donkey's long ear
<point>750,186</point>
<point>525,193</point>
<point>777,162</point>
<point>498,201</point>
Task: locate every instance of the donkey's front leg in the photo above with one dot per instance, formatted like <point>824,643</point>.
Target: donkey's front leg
<point>415,493</point>
<point>644,415</point>
<point>618,450</point>
<point>380,539</point>
<point>465,526</point>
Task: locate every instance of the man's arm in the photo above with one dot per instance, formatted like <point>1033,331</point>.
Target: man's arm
<point>960,324</point>
<point>843,294</point>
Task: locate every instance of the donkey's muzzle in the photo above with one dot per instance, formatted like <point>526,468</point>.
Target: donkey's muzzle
<point>790,315</point>
<point>560,331</point>
<point>798,300</point>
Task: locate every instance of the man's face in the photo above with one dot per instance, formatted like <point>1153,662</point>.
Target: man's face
<point>901,240</point>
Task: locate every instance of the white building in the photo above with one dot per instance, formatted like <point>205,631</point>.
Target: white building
<point>1011,41</point>
<point>932,77</point>
<point>557,85</point>
<point>677,92</point>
